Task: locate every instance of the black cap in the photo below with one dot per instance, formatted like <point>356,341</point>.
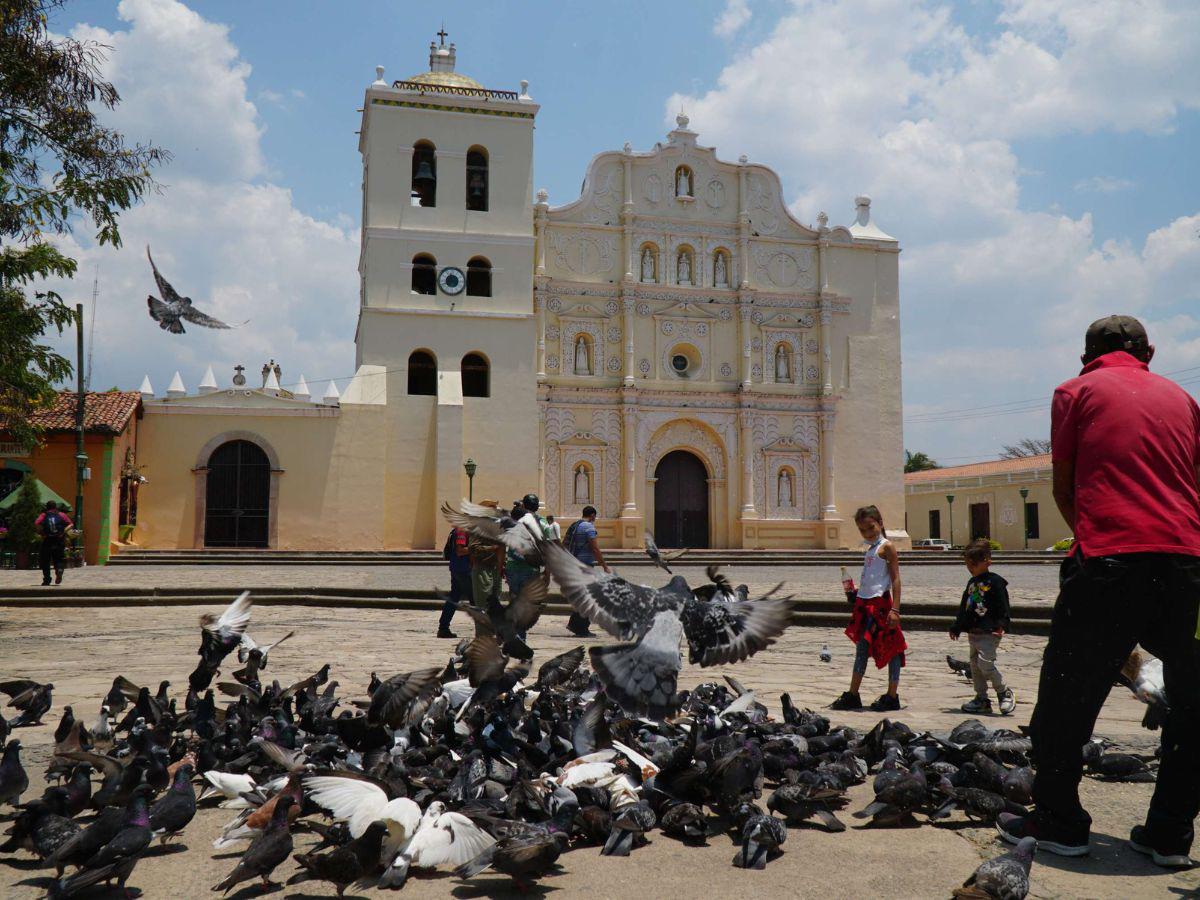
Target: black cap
<point>531,502</point>
<point>1115,333</point>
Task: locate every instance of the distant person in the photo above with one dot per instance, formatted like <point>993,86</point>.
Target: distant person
<point>1125,454</point>
<point>457,552</point>
<point>52,525</point>
<point>555,530</point>
<point>517,570</point>
<point>487,567</point>
<point>584,545</point>
<point>875,622</point>
<point>983,613</point>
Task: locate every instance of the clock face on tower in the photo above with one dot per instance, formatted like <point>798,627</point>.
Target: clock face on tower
<point>451,280</point>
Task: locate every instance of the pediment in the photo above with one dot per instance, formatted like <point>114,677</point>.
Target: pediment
<point>583,439</point>
<point>583,311</point>
<point>786,445</point>
<point>687,309</point>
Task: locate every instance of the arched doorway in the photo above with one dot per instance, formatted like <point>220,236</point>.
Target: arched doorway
<point>680,501</point>
<point>237,496</point>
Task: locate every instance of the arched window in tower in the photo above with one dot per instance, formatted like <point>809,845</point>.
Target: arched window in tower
<point>720,269</point>
<point>477,179</point>
<point>475,376</point>
<point>479,277</point>
<point>424,174</point>
<point>783,363</point>
<point>583,354</point>
<point>684,265</point>
<point>422,374</point>
<point>424,274</point>
<point>684,182</point>
<point>649,264</point>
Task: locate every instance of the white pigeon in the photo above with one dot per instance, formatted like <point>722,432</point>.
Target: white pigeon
<point>248,643</point>
<point>229,785</point>
<point>442,839</point>
<point>358,803</point>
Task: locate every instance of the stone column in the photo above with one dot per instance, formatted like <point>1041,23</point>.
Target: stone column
<point>627,306</point>
<point>828,506</point>
<point>629,456</point>
<point>826,346</point>
<point>747,450</point>
<point>539,306</point>
<point>743,260</point>
<point>745,326</point>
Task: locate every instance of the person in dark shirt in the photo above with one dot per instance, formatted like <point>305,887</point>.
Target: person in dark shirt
<point>459,555</point>
<point>984,615</point>
<point>584,545</point>
<point>52,525</point>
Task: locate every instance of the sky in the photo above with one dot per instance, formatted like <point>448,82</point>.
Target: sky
<point>1035,158</point>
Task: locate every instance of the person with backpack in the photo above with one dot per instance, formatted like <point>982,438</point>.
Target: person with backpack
<point>456,551</point>
<point>584,545</point>
<point>52,525</point>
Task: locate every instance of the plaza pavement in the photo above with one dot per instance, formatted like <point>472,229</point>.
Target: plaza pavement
<point>81,649</point>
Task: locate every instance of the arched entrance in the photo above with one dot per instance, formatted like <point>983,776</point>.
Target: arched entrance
<point>681,501</point>
<point>237,496</point>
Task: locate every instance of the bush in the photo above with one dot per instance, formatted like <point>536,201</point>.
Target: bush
<point>23,513</point>
<point>995,545</point>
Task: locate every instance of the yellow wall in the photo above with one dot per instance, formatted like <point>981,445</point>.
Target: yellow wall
<point>1006,515</point>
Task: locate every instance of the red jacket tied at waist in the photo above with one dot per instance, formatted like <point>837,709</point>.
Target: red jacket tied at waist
<point>868,623</point>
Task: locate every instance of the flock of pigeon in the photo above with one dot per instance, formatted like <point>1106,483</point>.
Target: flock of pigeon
<point>481,766</point>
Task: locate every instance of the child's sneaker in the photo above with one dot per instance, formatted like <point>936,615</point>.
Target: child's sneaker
<point>1008,701</point>
<point>886,703</point>
<point>848,701</point>
<point>977,705</point>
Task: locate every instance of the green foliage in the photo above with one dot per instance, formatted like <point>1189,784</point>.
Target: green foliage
<point>58,165</point>
<point>994,544</point>
<point>23,513</point>
<point>1064,545</point>
<point>918,462</point>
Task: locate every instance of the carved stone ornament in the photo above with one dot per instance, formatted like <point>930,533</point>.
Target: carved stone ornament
<point>756,372</point>
<point>756,344</point>
<point>612,307</point>
<point>701,329</point>
<point>756,317</point>
<point>614,333</point>
<point>668,327</point>
<point>644,366</point>
<point>552,361</point>
<point>652,188</point>
<point>582,253</point>
<point>643,309</point>
<point>554,304</point>
<point>670,433</point>
<point>726,370</point>
<point>726,314</point>
<point>811,347</point>
<point>614,364</point>
<point>714,195</point>
<point>811,373</point>
<point>552,332</point>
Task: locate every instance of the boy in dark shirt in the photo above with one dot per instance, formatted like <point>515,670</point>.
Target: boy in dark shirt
<point>983,614</point>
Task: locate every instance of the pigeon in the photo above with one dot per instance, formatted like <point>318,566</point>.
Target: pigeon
<point>1004,878</point>
<point>658,557</point>
<point>495,527</point>
<point>402,699</point>
<point>762,836</point>
<point>799,802</point>
<point>343,865</point>
<point>360,802</point>
<point>31,698</point>
<point>268,850</point>
<point>1143,674</point>
<point>959,667</point>
<point>629,826</point>
<point>825,655</point>
<point>559,669</point>
<point>509,623</point>
<point>42,827</point>
<point>248,644</point>
<point>14,781</point>
<point>118,855</point>
<point>642,675</point>
<point>442,839</point>
<point>172,813</point>
<point>686,822</point>
<point>1115,766</point>
<point>172,308</point>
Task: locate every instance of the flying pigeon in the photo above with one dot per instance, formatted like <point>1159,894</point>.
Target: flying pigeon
<point>172,308</point>
<point>1143,674</point>
<point>658,558</point>
<point>495,527</point>
<point>641,675</point>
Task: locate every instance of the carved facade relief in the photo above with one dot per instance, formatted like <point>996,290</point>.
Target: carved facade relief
<point>581,253</point>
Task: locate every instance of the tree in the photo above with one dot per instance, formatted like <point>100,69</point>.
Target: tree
<point>918,462</point>
<point>58,165</point>
<point>1026,447</point>
<point>23,513</point>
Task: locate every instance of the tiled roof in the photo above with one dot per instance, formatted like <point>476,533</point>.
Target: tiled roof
<point>103,413</point>
<point>978,470</point>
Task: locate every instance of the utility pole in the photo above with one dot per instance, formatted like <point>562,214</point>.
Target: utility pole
<point>80,456</point>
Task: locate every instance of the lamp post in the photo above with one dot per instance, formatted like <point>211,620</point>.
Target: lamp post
<point>1024,492</point>
<point>950,500</point>
<point>81,460</point>
<point>469,467</point>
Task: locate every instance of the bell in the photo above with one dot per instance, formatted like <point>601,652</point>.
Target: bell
<point>424,172</point>
<point>476,186</point>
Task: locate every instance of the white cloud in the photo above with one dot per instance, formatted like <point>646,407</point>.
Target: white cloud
<point>1103,184</point>
<point>897,100</point>
<point>735,14</point>
<point>221,232</point>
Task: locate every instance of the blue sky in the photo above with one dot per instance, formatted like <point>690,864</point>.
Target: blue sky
<point>1034,157</point>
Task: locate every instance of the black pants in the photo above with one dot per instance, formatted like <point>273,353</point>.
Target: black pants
<point>460,589</point>
<point>1105,606</point>
<point>52,551</point>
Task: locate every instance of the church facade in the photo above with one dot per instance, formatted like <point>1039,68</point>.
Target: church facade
<point>673,348</point>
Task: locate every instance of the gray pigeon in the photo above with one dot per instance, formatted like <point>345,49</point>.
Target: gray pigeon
<point>1004,878</point>
<point>657,557</point>
<point>168,311</point>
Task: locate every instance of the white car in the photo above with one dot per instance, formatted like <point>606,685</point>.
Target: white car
<point>931,544</point>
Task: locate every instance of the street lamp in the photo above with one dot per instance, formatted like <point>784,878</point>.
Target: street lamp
<point>469,467</point>
<point>1024,492</point>
<point>950,500</point>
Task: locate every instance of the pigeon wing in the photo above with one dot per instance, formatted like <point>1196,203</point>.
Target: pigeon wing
<point>353,801</point>
<point>518,539</point>
<point>196,317</point>
<point>564,665</point>
<point>485,660</point>
<point>233,620</point>
<point>526,609</point>
<point>169,294</point>
<point>451,841</point>
<point>642,677</point>
<point>623,609</point>
<point>395,700</point>
<point>729,632</point>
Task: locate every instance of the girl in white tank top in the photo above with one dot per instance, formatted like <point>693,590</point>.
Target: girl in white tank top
<point>876,576</point>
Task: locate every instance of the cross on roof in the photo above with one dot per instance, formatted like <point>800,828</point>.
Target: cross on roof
<point>443,34</point>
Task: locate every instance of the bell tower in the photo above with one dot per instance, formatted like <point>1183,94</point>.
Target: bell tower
<point>446,274</point>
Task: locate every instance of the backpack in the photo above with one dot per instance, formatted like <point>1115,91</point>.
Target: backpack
<point>52,524</point>
<point>569,539</point>
<point>448,547</point>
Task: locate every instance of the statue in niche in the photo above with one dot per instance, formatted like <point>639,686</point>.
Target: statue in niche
<point>583,356</point>
<point>583,485</point>
<point>647,265</point>
<point>786,496</point>
<point>720,275</point>
<point>683,186</point>
<point>783,364</point>
<point>684,268</point>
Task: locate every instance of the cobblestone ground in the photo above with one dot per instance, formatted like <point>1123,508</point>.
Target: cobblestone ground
<point>80,650</point>
<point>1027,583</point>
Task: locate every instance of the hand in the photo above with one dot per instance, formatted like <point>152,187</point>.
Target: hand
<point>605,567</point>
<point>999,632</point>
<point>954,635</point>
<point>893,618</point>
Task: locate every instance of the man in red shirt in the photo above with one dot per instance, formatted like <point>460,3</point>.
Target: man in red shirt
<point>1126,457</point>
<point>52,525</point>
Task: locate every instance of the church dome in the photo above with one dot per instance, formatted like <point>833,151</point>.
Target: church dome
<point>446,79</point>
